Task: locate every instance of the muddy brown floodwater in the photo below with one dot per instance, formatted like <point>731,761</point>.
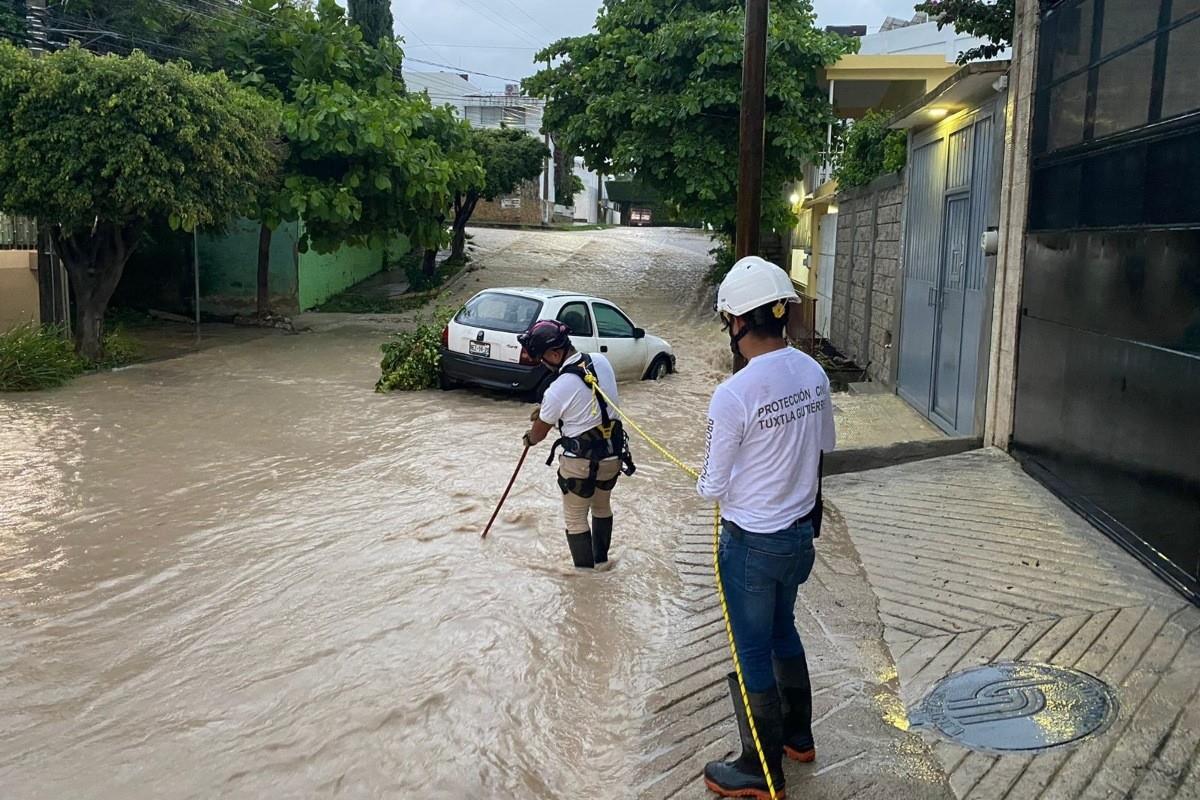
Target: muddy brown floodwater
<point>242,573</point>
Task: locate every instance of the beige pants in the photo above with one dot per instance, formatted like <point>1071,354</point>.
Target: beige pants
<point>576,508</point>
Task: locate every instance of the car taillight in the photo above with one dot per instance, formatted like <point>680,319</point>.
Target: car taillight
<point>527,359</point>
<point>446,337</point>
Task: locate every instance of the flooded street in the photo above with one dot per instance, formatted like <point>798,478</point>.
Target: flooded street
<point>242,573</point>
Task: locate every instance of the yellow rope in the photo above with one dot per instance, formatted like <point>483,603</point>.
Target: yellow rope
<point>737,664</point>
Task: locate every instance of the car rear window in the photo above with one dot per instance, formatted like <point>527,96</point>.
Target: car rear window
<point>499,312</point>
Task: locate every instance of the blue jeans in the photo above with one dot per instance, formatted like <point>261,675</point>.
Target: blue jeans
<point>761,574</point>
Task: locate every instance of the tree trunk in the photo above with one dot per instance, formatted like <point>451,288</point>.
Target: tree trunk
<point>429,264</point>
<point>95,260</point>
<point>458,245</point>
<point>462,215</point>
<point>264,271</point>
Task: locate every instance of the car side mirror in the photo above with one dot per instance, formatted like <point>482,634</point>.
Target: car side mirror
<point>639,333</point>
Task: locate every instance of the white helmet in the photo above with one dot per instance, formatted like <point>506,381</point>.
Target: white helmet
<point>753,283</point>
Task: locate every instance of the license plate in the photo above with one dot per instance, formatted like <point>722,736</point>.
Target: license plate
<point>480,349</point>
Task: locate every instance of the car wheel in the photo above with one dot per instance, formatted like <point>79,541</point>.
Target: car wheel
<point>446,384</point>
<point>660,369</point>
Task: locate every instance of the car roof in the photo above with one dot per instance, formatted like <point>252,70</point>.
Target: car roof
<point>538,293</point>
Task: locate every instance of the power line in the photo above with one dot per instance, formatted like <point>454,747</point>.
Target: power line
<point>530,18</point>
<point>463,69</point>
<point>482,46</point>
<point>499,19</point>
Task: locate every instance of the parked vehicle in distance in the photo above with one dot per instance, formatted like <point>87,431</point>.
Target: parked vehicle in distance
<point>480,347</point>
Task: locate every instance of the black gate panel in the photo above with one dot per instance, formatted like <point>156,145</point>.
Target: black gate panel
<point>1108,369</point>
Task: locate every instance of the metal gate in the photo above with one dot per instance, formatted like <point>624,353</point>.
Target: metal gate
<point>826,259</point>
<point>943,324</point>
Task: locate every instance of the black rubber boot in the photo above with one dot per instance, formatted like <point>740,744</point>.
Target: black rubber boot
<point>581,549</point>
<point>602,529</point>
<point>743,777</point>
<point>795,692</point>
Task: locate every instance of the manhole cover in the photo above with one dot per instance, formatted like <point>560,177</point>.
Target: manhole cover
<point>1014,707</point>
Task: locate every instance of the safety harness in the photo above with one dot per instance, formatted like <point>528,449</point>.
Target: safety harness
<point>606,440</point>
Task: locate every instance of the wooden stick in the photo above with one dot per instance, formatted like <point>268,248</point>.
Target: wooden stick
<point>504,497</point>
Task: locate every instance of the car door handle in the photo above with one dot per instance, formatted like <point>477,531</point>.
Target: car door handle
<point>603,348</point>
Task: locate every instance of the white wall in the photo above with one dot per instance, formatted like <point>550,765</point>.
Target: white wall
<point>923,39</point>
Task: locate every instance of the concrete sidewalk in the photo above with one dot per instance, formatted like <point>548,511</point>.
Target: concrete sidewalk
<point>924,570</point>
<point>973,562</point>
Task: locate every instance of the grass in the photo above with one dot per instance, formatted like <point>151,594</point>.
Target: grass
<point>33,358</point>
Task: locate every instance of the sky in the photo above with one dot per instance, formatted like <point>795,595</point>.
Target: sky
<point>498,38</point>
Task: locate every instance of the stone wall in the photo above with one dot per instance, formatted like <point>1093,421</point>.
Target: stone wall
<point>529,211</point>
<point>866,280</point>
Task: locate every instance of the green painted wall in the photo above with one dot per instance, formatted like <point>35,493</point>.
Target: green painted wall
<point>298,281</point>
<point>323,276</point>
<point>229,269</point>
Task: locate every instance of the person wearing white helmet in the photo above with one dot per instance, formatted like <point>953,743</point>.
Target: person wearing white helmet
<point>768,426</point>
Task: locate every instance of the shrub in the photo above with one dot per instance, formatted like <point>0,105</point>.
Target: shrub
<point>871,150</point>
<point>723,260</point>
<point>33,358</point>
<point>118,351</point>
<point>412,360</point>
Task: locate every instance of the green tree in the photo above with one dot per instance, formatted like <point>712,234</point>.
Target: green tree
<point>97,147</point>
<point>189,30</point>
<point>509,157</point>
<point>374,17</point>
<point>12,21</point>
<point>655,91</point>
<point>365,160</point>
<point>871,149</point>
<point>988,19</point>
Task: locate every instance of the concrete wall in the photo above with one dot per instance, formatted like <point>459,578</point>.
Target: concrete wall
<point>18,288</point>
<point>530,212</point>
<point>323,276</point>
<point>229,269</point>
<point>298,281</point>
<point>866,285</point>
<point>1014,205</point>
<point>921,39</point>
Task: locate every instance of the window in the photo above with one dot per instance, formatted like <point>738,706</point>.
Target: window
<point>499,312</point>
<point>1181,90</point>
<point>1182,8</point>
<point>1072,40</point>
<point>575,317</point>
<point>612,324</point>
<point>1126,21</point>
<point>1067,112</point>
<point>1123,91</point>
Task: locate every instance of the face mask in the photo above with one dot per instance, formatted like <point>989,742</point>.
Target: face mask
<point>734,338</point>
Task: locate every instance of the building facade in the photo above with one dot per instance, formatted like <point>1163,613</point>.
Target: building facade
<point>1096,369</point>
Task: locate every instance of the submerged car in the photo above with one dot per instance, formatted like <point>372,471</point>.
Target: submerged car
<point>480,347</point>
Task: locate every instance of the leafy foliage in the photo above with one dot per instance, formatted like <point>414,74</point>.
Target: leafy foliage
<point>33,358</point>
<point>12,21</point>
<point>655,91</point>
<point>412,360</point>
<point>180,29</point>
<point>118,350</point>
<point>989,19</point>
<point>364,159</point>
<point>100,146</point>
<point>374,18</point>
<point>871,150</point>
<point>723,256</point>
<point>508,158</point>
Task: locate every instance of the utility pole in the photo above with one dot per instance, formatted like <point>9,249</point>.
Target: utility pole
<point>750,146</point>
<point>750,155</point>
<point>547,208</point>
